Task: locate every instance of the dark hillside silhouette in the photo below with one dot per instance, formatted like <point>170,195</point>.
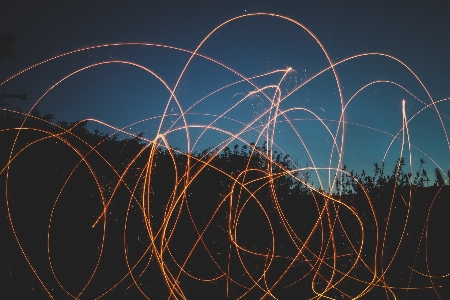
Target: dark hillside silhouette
<point>239,213</point>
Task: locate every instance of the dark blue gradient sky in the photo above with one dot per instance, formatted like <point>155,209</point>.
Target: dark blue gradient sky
<point>415,32</point>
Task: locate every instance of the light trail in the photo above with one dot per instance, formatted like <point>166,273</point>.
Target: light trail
<point>254,216</point>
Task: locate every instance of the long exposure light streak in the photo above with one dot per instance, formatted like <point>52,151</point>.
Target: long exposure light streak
<point>258,237</point>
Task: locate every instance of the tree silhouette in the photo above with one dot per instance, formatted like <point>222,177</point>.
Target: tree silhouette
<point>7,52</point>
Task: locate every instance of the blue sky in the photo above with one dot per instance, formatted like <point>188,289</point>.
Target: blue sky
<point>119,94</point>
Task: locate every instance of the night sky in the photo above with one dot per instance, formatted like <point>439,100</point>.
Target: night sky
<point>415,32</point>
<point>126,56</point>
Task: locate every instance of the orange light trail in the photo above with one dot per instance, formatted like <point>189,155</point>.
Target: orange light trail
<point>255,242</point>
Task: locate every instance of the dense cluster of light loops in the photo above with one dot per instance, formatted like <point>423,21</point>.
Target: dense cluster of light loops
<point>243,223</point>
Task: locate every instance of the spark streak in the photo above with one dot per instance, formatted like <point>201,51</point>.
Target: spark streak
<point>259,236</point>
